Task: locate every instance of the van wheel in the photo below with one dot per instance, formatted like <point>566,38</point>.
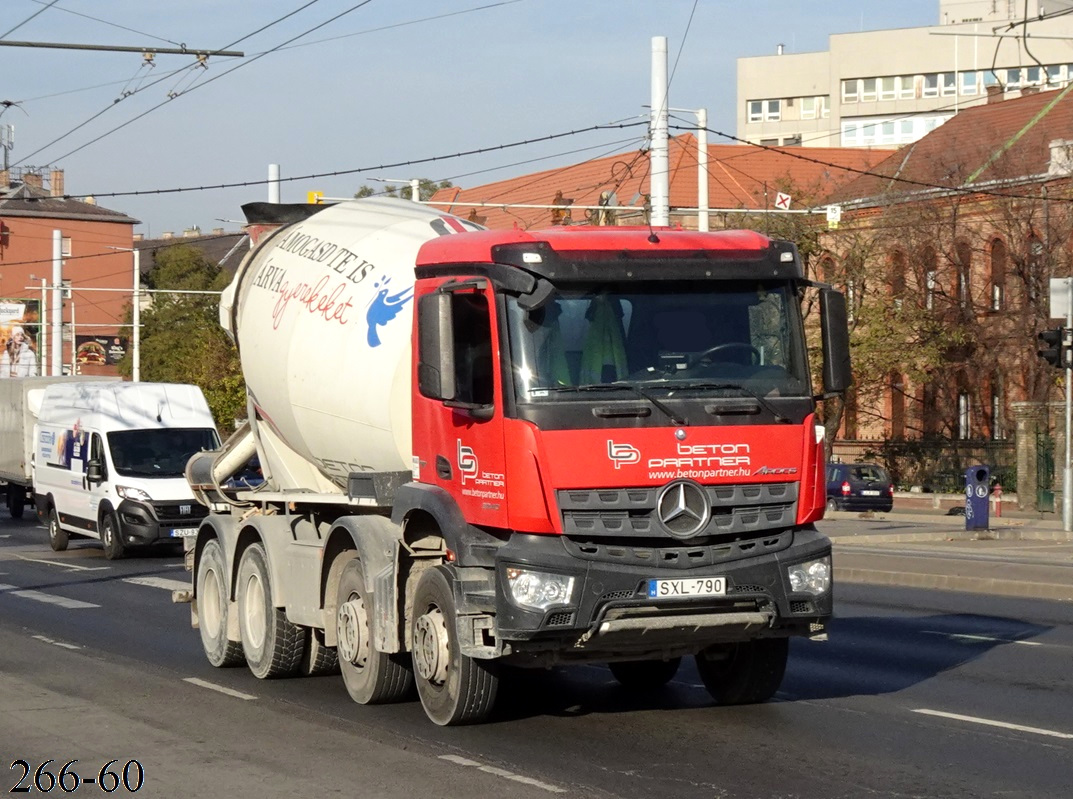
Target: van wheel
<point>454,689</point>
<point>57,536</point>
<point>744,673</point>
<point>644,675</point>
<point>832,506</point>
<point>213,608</point>
<point>371,677</point>
<point>273,645</point>
<point>110,537</point>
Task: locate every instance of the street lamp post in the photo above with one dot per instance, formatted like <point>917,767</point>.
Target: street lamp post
<point>136,313</point>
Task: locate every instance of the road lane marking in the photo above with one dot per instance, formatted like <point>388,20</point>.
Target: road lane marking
<point>221,689</point>
<point>499,772</point>
<point>48,599</point>
<point>56,643</point>
<point>967,637</point>
<point>992,723</point>
<point>160,582</point>
<point>64,565</point>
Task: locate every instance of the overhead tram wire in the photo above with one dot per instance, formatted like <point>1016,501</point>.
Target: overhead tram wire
<point>217,77</point>
<point>106,22</point>
<point>39,11</point>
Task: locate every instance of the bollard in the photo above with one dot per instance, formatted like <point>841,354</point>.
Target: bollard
<point>998,499</point>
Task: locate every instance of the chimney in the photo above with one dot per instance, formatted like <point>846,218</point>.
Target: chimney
<point>89,199</point>
<point>139,237</point>
<point>780,49</point>
<point>217,231</point>
<point>32,179</point>
<point>192,232</point>
<point>55,183</point>
<point>167,234</point>
<point>994,94</point>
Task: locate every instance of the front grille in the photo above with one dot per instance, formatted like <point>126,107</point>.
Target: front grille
<point>661,554</point>
<point>631,512</point>
<point>560,619</point>
<point>801,607</point>
<point>746,589</point>
<point>185,511</point>
<point>612,595</point>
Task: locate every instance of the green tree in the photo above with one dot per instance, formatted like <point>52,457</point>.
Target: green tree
<point>181,337</point>
<point>426,188</point>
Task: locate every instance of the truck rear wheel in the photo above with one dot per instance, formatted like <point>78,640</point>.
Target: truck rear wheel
<point>272,644</point>
<point>645,675</point>
<point>213,608</point>
<point>16,500</point>
<point>57,536</point>
<point>744,673</point>
<point>371,677</point>
<point>111,537</point>
<point>318,659</point>
<point>454,689</point>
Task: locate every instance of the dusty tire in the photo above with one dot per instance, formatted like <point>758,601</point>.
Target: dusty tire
<point>745,673</point>
<point>371,677</point>
<point>318,659</point>
<point>831,506</point>
<point>111,538</point>
<point>272,645</point>
<point>57,536</point>
<point>645,675</point>
<point>454,689</point>
<point>213,608</point>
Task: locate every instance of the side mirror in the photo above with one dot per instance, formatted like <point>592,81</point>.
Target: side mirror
<point>834,330</point>
<point>436,347</point>
<point>94,471</point>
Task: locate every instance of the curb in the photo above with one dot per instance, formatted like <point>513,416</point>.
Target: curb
<point>978,585</point>
<point>865,539</point>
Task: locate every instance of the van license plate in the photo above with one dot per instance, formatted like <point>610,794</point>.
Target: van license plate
<point>183,532</point>
<point>696,586</point>
<point>869,493</point>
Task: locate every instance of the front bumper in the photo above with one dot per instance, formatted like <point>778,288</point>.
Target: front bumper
<point>148,523</point>
<point>611,613</point>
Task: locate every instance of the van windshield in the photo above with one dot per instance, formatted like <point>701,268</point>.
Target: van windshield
<point>162,452</point>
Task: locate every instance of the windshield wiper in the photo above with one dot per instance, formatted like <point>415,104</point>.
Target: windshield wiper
<point>700,384</point>
<point>624,386</point>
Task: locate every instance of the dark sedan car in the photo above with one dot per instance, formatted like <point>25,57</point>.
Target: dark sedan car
<point>859,486</point>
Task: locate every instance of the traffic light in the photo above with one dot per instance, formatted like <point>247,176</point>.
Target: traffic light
<point>1053,347</point>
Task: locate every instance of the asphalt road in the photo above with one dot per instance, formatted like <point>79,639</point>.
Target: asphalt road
<point>917,693</point>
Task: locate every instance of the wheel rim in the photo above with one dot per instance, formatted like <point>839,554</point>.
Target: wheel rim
<point>352,624</point>
<point>431,650</point>
<point>53,528</point>
<point>108,532</point>
<point>253,611</point>
<point>211,610</point>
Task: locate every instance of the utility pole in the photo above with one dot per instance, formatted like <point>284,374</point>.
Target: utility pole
<point>56,306</point>
<point>659,164</point>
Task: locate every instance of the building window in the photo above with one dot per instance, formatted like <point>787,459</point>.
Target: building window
<point>897,406</point>
<point>1033,76</point>
<point>1013,78</point>
<point>964,420</point>
<point>949,84</point>
<point>998,274</point>
<point>907,87</point>
<point>772,110</point>
<point>756,110</point>
<point>963,258</point>
<point>997,431</point>
<point>65,247</point>
<point>850,91</point>
<point>991,78</point>
<point>868,90</point>
<point>887,88</point>
<point>929,289</point>
<point>970,82</point>
<point>808,107</point>
<point>931,86</point>
<point>1054,75</point>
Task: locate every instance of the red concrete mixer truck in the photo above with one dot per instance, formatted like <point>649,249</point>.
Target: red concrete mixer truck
<point>488,447</point>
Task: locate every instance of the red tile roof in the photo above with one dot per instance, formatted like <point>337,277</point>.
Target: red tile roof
<point>1006,140</point>
<point>740,177</point>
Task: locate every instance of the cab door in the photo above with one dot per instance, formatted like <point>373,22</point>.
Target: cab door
<point>97,490</point>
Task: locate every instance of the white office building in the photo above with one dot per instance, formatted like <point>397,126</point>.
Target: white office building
<point>890,87</point>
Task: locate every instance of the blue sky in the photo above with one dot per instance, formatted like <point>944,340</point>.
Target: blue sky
<point>376,86</point>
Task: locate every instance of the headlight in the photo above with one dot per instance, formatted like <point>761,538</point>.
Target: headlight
<point>811,577</point>
<point>539,590</point>
<point>133,493</point>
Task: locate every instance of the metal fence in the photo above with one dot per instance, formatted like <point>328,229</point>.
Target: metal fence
<point>934,464</point>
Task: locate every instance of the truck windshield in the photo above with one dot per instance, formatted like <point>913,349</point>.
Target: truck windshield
<point>161,452</point>
<point>690,338</point>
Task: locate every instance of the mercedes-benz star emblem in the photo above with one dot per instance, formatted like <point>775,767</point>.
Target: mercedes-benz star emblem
<point>683,508</point>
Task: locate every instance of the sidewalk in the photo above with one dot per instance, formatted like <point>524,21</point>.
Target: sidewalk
<point>1021,554</point>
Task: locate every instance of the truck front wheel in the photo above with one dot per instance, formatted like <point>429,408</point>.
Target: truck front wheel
<point>213,607</point>
<point>744,673</point>
<point>454,689</point>
<point>371,677</point>
<point>272,644</point>
<point>57,536</point>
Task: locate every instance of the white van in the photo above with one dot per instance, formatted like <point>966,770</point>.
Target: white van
<point>109,462</point>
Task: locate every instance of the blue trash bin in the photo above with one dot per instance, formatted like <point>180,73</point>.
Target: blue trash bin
<point>977,497</point>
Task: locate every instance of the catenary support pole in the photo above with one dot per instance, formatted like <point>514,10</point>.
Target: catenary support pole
<point>57,304</point>
<point>1067,472</point>
<point>659,170</point>
<point>273,183</point>
<point>136,318</point>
